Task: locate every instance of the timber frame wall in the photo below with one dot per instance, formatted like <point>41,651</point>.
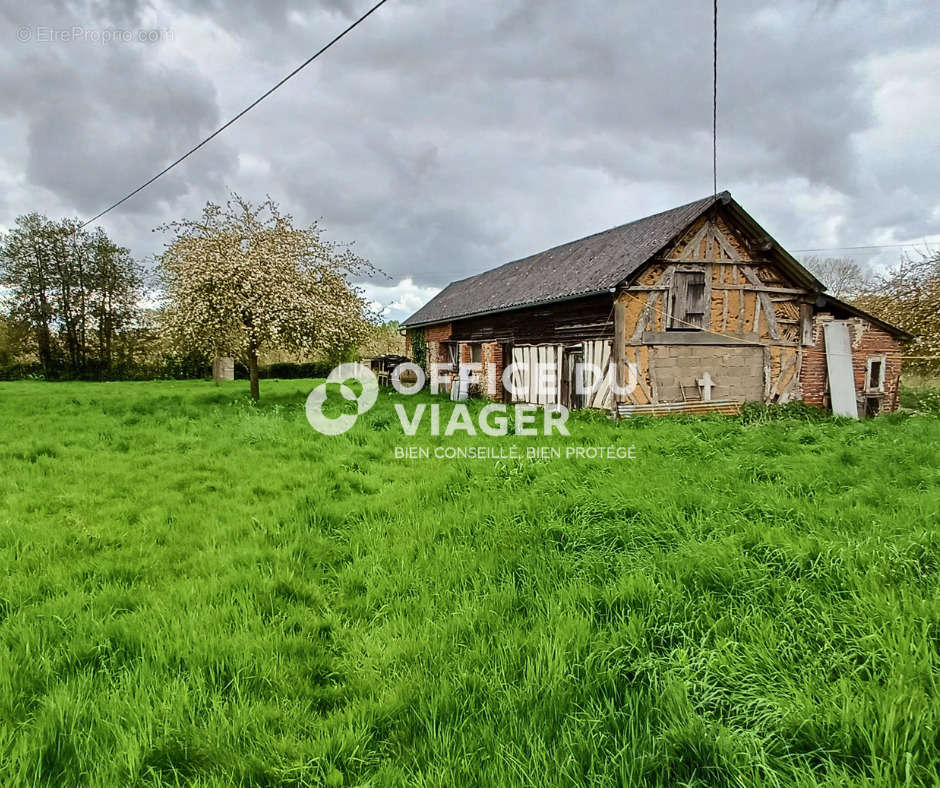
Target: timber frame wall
<point>748,302</point>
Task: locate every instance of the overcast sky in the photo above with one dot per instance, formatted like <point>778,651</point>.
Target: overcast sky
<point>445,138</point>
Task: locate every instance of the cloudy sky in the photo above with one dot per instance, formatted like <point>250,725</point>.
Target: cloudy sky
<point>446,137</point>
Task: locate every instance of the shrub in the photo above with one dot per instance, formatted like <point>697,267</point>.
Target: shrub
<point>284,370</point>
<point>923,398</point>
<point>20,371</point>
<point>759,413</point>
<point>288,371</point>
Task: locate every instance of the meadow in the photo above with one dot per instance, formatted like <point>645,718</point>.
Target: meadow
<point>196,590</point>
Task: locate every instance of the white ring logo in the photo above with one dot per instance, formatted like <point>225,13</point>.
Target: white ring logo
<point>345,421</point>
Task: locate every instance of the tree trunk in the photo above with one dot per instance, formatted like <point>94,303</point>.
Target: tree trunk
<point>44,341</point>
<point>253,373</point>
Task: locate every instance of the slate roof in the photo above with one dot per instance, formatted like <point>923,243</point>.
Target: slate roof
<point>578,268</point>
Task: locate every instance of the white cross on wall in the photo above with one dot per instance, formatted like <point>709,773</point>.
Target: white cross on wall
<point>706,384</point>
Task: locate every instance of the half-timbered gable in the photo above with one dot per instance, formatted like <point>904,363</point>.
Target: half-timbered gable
<point>716,301</point>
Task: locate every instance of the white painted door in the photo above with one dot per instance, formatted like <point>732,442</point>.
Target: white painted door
<point>839,368</point>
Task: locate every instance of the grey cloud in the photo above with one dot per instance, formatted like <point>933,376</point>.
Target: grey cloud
<point>101,118</point>
<point>449,137</point>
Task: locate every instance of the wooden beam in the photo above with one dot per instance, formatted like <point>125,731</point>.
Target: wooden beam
<point>767,361</point>
<point>665,280</point>
<point>781,376</point>
<point>691,249</point>
<point>763,289</point>
<point>739,261</point>
<point>707,317</point>
<point>729,250</point>
<point>641,384</point>
<point>654,383</point>
<point>697,338</point>
<point>764,300</point>
<point>806,320</point>
<point>620,344</point>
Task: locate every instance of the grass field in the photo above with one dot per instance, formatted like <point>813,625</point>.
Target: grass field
<point>198,591</point>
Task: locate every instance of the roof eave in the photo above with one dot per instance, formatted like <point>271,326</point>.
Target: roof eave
<point>900,333</point>
<point>513,308</point>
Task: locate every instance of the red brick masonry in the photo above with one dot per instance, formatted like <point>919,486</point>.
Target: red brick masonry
<point>867,341</point>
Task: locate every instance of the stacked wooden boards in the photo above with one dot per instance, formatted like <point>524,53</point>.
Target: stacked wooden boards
<point>538,372</point>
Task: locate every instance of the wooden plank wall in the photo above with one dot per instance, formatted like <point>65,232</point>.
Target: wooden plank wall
<point>527,360</point>
<point>598,354</point>
<point>565,322</point>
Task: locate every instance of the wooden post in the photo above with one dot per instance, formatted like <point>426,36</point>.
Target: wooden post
<point>806,325</point>
<point>620,346</point>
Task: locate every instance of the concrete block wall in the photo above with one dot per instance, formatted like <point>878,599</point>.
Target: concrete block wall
<point>736,371</point>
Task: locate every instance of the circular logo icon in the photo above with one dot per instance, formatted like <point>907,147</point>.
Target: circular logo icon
<point>337,425</point>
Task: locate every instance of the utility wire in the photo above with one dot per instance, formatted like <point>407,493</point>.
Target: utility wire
<point>247,109</point>
<point>375,8</point>
<point>715,104</point>
<point>859,248</point>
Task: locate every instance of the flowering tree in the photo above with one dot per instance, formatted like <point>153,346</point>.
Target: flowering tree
<point>241,279</point>
<point>909,296</point>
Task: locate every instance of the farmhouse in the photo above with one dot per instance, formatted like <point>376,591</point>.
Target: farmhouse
<point>708,308</point>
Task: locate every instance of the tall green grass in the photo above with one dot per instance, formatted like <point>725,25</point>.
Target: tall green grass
<point>198,591</point>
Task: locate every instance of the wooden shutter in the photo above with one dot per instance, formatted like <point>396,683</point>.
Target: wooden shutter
<point>695,299</point>
<point>688,301</point>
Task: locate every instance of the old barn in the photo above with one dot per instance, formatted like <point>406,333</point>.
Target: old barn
<point>710,309</point>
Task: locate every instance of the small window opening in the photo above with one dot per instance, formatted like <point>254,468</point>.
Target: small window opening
<point>874,377</point>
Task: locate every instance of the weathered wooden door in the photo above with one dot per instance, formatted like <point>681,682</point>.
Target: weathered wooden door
<point>536,376</point>
<point>571,398</point>
<point>597,359</point>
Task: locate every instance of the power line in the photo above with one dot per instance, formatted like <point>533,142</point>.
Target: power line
<point>859,248</point>
<point>247,109</point>
<point>715,104</point>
